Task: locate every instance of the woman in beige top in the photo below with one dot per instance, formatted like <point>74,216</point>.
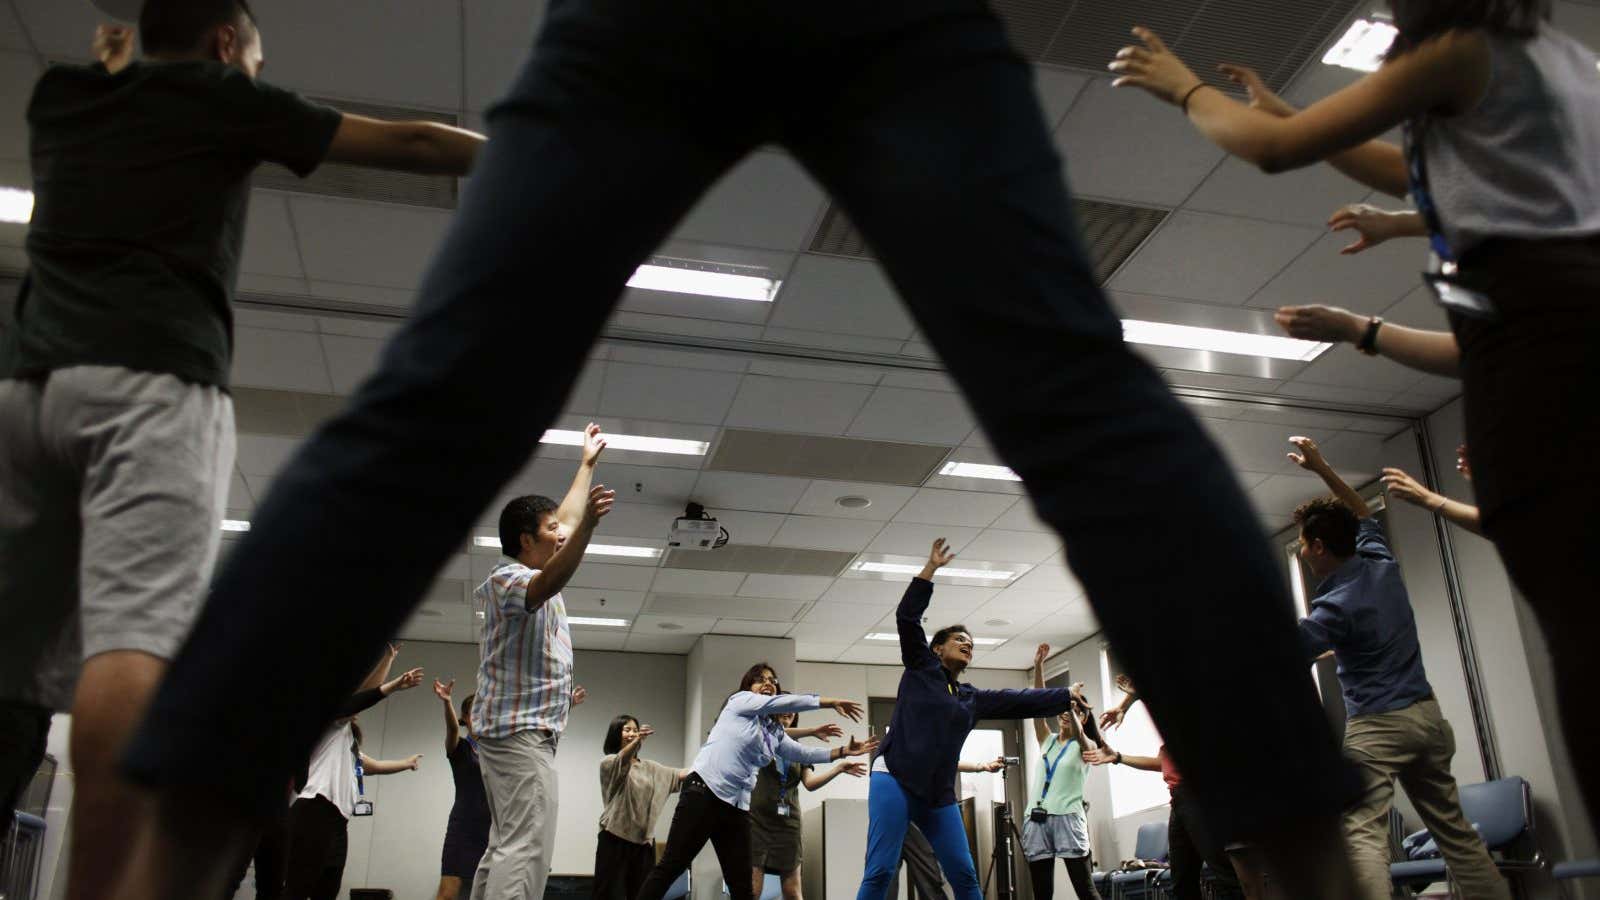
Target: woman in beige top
<point>634,790</point>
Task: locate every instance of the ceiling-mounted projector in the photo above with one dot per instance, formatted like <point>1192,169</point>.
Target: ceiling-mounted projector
<point>694,530</point>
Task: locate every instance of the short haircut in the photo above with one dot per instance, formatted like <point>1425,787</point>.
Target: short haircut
<point>1327,520</point>
<point>1419,21</point>
<point>613,742</point>
<point>179,26</point>
<point>524,514</point>
<point>944,633</point>
<point>466,709</point>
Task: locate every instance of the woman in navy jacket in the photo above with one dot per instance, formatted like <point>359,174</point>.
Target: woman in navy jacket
<point>914,777</point>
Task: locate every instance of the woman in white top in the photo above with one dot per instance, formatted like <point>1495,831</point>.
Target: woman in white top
<point>634,790</point>
<point>1502,159</point>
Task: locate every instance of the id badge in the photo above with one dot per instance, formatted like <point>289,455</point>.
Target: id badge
<point>1457,298</point>
<point>783,809</point>
<point>362,808</point>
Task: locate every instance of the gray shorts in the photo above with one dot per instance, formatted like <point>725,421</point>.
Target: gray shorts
<point>1064,835</point>
<point>113,484</point>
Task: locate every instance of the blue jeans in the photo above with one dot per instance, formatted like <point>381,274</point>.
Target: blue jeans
<point>889,810</point>
<point>923,122</point>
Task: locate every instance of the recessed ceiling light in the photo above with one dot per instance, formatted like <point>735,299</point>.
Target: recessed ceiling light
<point>979,470</point>
<point>889,636</point>
<point>1363,47</point>
<point>493,543</point>
<point>997,623</point>
<point>670,626</point>
<point>948,572</point>
<point>706,283</point>
<point>597,620</point>
<point>16,205</point>
<point>853,501</point>
<point>1243,343</point>
<point>235,525</point>
<point>630,442</point>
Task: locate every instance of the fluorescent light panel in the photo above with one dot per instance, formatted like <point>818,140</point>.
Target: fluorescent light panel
<point>709,284</point>
<point>1363,46</point>
<point>493,543</point>
<point>979,470</point>
<point>592,620</point>
<point>235,525</point>
<point>1190,337</point>
<point>16,205</point>
<point>909,569</point>
<point>630,442</point>
<point>981,642</point>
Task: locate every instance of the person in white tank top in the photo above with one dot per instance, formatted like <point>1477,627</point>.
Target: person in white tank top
<point>1502,161</point>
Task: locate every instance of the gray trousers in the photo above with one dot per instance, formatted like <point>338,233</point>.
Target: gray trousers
<point>923,866</point>
<point>519,776</point>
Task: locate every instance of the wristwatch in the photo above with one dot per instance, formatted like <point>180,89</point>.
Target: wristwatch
<point>1369,339</point>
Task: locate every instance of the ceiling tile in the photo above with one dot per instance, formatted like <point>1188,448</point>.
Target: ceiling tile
<point>1029,601</point>
<point>873,653</point>
<point>599,639</point>
<point>820,499</point>
<point>1276,498</point>
<point>931,506</point>
<point>864,592</point>
<point>381,244</point>
<point>754,609</point>
<point>840,632</point>
<point>816,372</point>
<point>736,490</point>
<point>597,602</point>
<point>60,30</point>
<point>847,296</point>
<point>11,35</point>
<point>995,545</point>
<point>385,299</point>
<point>677,325</point>
<point>910,539</point>
<point>1291,418</point>
<point>604,576</point>
<point>1305,196</point>
<point>785,587</point>
<point>663,642</point>
<point>818,651</point>
<point>835,614</point>
<point>1125,145</point>
<point>784,404</point>
<point>1357,456</point>
<point>1020,517</point>
<point>1346,366</point>
<point>499,35</point>
<point>766,201</point>
<point>1257,446</point>
<point>1057,89</point>
<point>1417,309</point>
<point>748,627</point>
<point>286,360</point>
<point>410,54</point>
<point>269,244</point>
<point>678,395</point>
<point>748,527</point>
<point>1373,279</point>
<point>649,624</point>
<point>832,340</point>
<point>350,360</point>
<point>692,581</point>
<point>822,533</point>
<point>239,497</point>
<point>1332,393</point>
<point>899,414</point>
<point>1050,579</point>
<point>1217,259</point>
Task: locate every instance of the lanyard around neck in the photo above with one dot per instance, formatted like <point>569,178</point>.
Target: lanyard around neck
<point>1050,767</point>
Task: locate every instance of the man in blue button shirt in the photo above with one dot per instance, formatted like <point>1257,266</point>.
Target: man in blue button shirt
<point>1362,614</point>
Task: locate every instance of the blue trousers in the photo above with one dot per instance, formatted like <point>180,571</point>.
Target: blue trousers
<point>923,122</point>
<point>890,809</point>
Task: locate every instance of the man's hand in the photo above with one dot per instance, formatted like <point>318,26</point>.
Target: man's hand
<point>442,689</point>
<point>1402,486</point>
<point>579,695</point>
<point>113,46</point>
<point>1309,457</point>
<point>404,683</point>
<point>938,558</point>
<point>600,502</point>
<point>594,444</point>
<point>1321,323</point>
<point>1374,225</point>
<point>1040,653</point>
<point>1261,96</point>
<point>1100,756</point>
<point>1154,68</point>
<point>827,732</point>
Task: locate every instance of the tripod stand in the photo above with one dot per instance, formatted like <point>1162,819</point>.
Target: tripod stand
<point>1006,841</point>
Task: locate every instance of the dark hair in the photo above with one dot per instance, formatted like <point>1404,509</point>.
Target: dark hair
<point>179,26</point>
<point>524,514</point>
<point>355,731</point>
<point>1419,21</point>
<point>944,633</point>
<point>1329,521</point>
<point>753,674</point>
<point>613,742</point>
<point>466,709</point>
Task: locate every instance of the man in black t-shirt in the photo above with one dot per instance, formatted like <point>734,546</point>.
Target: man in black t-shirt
<point>116,429</point>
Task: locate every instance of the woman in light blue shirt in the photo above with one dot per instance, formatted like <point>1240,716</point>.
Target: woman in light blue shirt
<point>715,800</point>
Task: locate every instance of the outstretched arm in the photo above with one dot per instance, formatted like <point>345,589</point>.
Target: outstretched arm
<point>1403,487</point>
<point>1107,756</point>
<point>1022,704</point>
<point>428,148</point>
<point>914,651</point>
<point>815,780</point>
<point>1310,459</point>
<point>390,766</point>
<point>993,765</point>
<point>1434,352</point>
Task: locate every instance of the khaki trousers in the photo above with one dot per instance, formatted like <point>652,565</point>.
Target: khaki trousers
<point>519,776</point>
<point>1415,745</point>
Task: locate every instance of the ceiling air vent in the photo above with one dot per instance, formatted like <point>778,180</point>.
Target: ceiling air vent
<point>1111,232</point>
<point>826,458</point>
<point>364,183</point>
<point>1276,37</point>
<point>763,560</point>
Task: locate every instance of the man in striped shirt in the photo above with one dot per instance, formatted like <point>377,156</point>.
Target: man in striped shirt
<point>525,676</point>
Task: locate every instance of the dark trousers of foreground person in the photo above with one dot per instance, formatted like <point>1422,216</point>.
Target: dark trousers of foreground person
<point>923,123</point>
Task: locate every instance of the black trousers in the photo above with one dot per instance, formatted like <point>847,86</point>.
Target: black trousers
<point>1191,844</point>
<point>24,731</point>
<point>620,867</point>
<point>921,865</point>
<point>703,816</point>
<point>270,855</point>
<point>318,844</point>
<point>1042,872</point>
<point>923,122</point>
<point>1532,400</point>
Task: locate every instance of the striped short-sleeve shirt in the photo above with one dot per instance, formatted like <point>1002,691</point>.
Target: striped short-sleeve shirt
<point>525,673</point>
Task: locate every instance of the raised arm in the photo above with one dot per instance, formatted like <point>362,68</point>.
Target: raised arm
<point>1310,459</point>
<point>1403,487</point>
<point>570,513</point>
<point>452,727</point>
<point>428,148</point>
<point>113,46</point>
<point>390,766</point>
<point>1434,352</point>
<point>380,670</point>
<point>563,564</point>
<point>914,650</point>
<point>367,698</point>
<point>1113,716</point>
<point>1040,729</point>
<point>631,749</point>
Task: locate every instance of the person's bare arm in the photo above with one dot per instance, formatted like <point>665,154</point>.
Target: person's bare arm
<point>1434,352</point>
<point>1310,459</point>
<point>815,780</point>
<point>427,148</point>
<point>1402,486</point>
<point>1374,226</point>
<point>1108,757</point>
<point>570,513</point>
<point>631,749</point>
<point>991,766</point>
<point>452,728</point>
<point>390,766</point>
<point>563,564</point>
<point>380,671</point>
<point>1041,730</point>
<point>113,46</point>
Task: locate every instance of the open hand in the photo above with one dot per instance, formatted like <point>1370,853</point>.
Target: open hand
<point>1099,756</point>
<point>938,558</point>
<point>1403,487</point>
<point>600,503</point>
<point>409,680</point>
<point>1310,455</point>
<point>860,748</point>
<point>1374,225</point>
<point>442,689</point>
<point>1321,323</point>
<point>645,731</point>
<point>1111,718</point>
<point>1153,67</point>
<point>594,443</point>
<point>113,46</point>
<point>1261,96</point>
<point>579,694</point>
<point>847,708</point>
<point>853,769</point>
<point>828,731</point>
